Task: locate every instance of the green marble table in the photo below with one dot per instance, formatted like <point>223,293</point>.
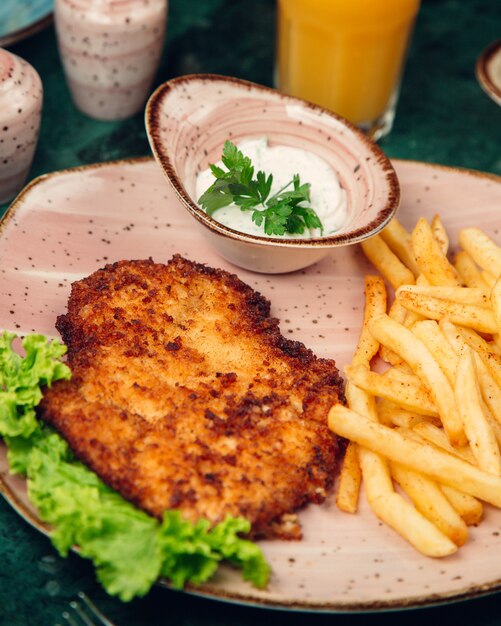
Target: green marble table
<point>443,117</point>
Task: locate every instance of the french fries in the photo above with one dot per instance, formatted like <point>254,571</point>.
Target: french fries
<point>424,458</point>
<point>440,233</point>
<point>431,502</point>
<point>410,395</point>
<point>468,271</point>
<point>496,303</point>
<point>468,400</point>
<point>430,256</point>
<point>350,479</point>
<point>398,240</point>
<point>484,251</point>
<point>414,352</point>
<point>469,508</point>
<point>375,304</point>
<point>390,266</point>
<point>461,295</point>
<point>425,434</point>
<point>469,315</point>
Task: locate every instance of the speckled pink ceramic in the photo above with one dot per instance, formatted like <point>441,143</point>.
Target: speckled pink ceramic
<point>68,224</point>
<point>188,119</point>
<point>21,97</point>
<point>110,51</point>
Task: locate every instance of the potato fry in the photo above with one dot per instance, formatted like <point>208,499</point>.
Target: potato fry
<point>429,333</point>
<point>412,317</point>
<point>390,266</point>
<point>469,508</point>
<point>468,315</point>
<point>367,348</point>
<point>468,272</point>
<point>361,401</point>
<point>376,475</point>
<point>392,509</point>
<point>496,303</point>
<point>443,467</point>
<point>398,313</point>
<point>375,304</point>
<point>461,295</point>
<point>491,392</point>
<point>388,505</point>
<point>374,468</point>
<point>489,355</point>
<point>453,336</point>
<point>399,242</point>
<point>440,233</point>
<point>391,414</point>
<point>431,422</point>
<point>482,249</point>
<point>402,375</point>
<point>480,345</point>
<point>416,354</point>
<point>350,478</point>
<point>430,258</point>
<point>489,278</point>
<point>492,421</point>
<point>409,396</point>
<point>460,340</point>
<point>468,400</point>
<point>429,432</point>
<point>431,502</point>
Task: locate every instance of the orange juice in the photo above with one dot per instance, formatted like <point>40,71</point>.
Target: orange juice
<point>346,55</point>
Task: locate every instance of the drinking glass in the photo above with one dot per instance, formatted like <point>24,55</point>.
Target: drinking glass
<point>346,55</point>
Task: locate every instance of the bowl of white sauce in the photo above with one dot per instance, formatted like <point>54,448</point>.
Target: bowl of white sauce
<point>320,166</point>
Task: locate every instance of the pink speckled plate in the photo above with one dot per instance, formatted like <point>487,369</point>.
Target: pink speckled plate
<point>68,224</point>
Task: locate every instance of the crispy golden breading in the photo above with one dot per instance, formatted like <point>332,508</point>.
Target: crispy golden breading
<point>185,395</point>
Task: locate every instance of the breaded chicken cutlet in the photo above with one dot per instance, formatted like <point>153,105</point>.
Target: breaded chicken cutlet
<point>185,395</point>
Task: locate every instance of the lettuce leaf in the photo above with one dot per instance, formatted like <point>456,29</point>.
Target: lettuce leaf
<point>129,549</point>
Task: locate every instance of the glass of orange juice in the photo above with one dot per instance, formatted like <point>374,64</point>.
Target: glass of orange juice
<point>346,55</point>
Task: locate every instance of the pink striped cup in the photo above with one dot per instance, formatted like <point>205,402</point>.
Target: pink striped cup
<point>21,97</point>
<point>110,51</point>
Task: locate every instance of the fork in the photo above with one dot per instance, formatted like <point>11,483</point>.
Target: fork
<point>83,612</point>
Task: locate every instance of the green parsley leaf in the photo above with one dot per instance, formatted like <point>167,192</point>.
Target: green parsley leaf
<point>285,212</point>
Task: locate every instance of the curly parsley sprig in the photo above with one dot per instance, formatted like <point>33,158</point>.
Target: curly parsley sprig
<point>281,213</point>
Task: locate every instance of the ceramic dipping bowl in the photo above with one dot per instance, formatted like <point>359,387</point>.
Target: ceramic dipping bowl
<point>189,118</point>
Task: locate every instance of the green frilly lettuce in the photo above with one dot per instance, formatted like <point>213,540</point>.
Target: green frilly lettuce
<point>129,549</point>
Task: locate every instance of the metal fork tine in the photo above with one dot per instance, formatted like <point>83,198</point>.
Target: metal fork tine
<point>81,614</point>
<point>93,608</point>
<point>67,617</point>
<point>84,612</point>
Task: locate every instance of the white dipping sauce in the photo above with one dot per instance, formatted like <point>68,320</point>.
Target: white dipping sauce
<point>327,198</point>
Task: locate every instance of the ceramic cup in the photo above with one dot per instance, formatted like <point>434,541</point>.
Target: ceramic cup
<point>110,52</point>
<point>188,120</point>
<point>21,97</point>
<point>348,57</point>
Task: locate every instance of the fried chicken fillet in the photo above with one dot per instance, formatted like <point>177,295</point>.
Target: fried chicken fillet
<point>185,395</point>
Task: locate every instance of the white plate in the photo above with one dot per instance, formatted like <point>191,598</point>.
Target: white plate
<point>67,224</point>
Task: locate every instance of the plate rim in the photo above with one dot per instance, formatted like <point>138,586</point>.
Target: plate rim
<point>207,590</point>
<point>24,32</point>
<point>13,206</point>
<point>484,76</point>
